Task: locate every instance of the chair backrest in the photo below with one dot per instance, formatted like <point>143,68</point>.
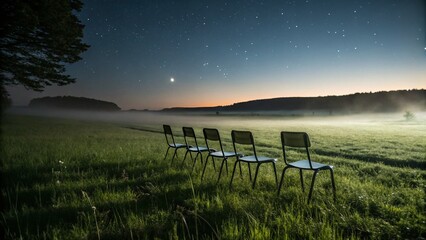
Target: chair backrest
<point>167,129</point>
<point>243,138</point>
<point>169,135</point>
<point>296,140</point>
<point>212,134</point>
<point>188,133</point>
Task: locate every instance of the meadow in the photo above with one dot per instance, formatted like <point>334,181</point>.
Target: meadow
<point>69,177</point>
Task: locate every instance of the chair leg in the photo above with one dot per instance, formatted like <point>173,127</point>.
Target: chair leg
<point>184,158</point>
<point>312,185</point>
<point>232,177</point>
<point>301,180</point>
<point>166,153</point>
<point>214,164</point>
<point>176,149</point>
<point>174,155</point>
<point>255,175</point>
<point>282,179</point>
<point>332,183</point>
<point>226,166</point>
<point>195,160</point>
<point>249,171</point>
<point>221,167</point>
<point>204,169</point>
<point>241,171</point>
<point>276,177</point>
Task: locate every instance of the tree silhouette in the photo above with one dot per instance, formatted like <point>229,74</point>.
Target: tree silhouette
<point>38,38</point>
<point>408,115</point>
<point>6,102</point>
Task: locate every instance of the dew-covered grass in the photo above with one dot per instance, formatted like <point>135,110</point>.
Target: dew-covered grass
<point>91,179</point>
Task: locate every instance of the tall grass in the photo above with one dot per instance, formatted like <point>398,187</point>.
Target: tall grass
<point>74,179</point>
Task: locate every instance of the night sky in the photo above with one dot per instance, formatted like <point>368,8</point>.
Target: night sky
<point>221,52</point>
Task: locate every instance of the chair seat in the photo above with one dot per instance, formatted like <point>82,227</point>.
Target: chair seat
<point>177,145</point>
<point>199,149</point>
<point>304,164</point>
<point>224,154</point>
<point>259,158</point>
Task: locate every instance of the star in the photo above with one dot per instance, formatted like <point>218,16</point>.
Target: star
<point>211,40</point>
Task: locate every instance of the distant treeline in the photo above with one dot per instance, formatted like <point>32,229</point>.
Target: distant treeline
<point>353,103</point>
<point>74,103</point>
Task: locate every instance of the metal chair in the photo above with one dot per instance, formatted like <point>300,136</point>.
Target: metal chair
<point>189,136</point>
<point>246,138</point>
<point>171,142</point>
<point>301,140</point>
<point>212,135</point>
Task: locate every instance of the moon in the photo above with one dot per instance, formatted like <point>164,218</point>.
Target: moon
<point>172,80</point>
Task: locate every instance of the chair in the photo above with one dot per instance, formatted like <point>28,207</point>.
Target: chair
<point>301,140</point>
<point>171,142</point>
<point>212,135</point>
<point>246,138</point>
<point>189,136</point>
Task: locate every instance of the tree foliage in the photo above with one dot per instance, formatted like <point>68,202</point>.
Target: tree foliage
<point>6,102</point>
<point>38,38</point>
<point>391,101</point>
<point>76,103</point>
<point>408,115</point>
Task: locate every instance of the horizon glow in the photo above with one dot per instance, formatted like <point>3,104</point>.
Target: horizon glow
<point>167,54</point>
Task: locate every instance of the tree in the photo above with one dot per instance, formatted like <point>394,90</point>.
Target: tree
<point>6,102</point>
<point>408,115</point>
<point>38,38</point>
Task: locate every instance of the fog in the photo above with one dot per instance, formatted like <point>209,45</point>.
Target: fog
<point>154,120</point>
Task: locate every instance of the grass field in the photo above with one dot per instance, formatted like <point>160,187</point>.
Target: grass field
<point>99,179</point>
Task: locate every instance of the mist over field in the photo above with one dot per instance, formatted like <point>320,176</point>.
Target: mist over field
<point>232,119</point>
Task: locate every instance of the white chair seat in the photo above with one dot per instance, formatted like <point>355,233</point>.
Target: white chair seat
<point>177,145</point>
<point>259,158</point>
<point>304,164</point>
<point>199,149</point>
<point>224,154</point>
